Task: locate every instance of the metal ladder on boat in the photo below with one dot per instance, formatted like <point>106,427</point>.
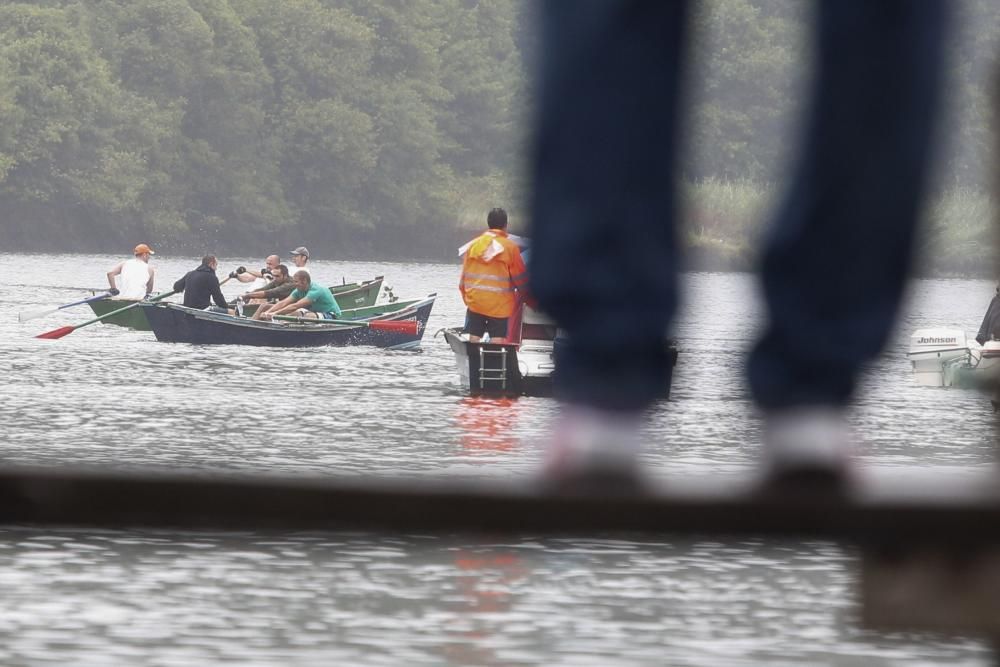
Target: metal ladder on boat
<point>496,377</point>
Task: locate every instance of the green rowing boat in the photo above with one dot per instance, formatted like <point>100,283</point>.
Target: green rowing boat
<point>349,296</point>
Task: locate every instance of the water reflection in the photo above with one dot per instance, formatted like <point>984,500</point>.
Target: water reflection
<point>484,590</point>
<point>487,424</point>
<point>114,399</point>
<point>155,597</point>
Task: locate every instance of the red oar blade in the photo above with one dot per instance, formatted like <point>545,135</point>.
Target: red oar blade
<point>57,333</point>
<point>395,326</point>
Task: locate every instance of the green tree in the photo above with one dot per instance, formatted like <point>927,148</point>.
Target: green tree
<point>69,144</point>
<point>749,57</point>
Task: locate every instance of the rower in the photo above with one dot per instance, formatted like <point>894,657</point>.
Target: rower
<point>201,287</point>
<point>135,276</point>
<point>308,299</point>
<point>274,291</point>
<point>260,277</point>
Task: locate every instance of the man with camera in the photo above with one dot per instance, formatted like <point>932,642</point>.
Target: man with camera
<point>259,278</point>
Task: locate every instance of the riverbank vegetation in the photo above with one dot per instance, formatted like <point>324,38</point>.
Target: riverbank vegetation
<point>724,220</point>
<point>375,128</point>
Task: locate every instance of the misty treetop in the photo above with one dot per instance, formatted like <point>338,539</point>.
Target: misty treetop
<point>362,127</point>
<point>239,123</point>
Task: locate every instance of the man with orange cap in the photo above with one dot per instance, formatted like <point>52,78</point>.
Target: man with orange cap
<point>492,271</point>
<point>135,276</point>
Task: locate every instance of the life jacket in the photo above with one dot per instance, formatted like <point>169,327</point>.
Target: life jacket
<point>492,269</point>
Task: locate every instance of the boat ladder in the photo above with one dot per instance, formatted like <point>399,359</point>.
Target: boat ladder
<point>495,376</point>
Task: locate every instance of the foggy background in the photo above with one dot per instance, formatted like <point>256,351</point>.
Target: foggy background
<point>386,130</point>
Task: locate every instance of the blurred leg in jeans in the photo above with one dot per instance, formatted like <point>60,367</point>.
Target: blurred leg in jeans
<point>836,260</point>
<point>605,259</point>
<point>603,246</point>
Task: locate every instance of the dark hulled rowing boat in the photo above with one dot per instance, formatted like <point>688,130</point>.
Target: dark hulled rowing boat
<point>174,323</point>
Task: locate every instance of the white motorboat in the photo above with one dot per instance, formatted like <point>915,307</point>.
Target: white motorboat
<point>951,358</point>
<point>519,366</point>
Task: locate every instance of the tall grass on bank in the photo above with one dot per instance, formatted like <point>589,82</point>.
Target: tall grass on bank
<point>723,221</point>
<point>959,237</point>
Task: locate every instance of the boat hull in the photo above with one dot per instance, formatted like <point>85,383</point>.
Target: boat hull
<point>950,358</point>
<point>509,369</point>
<point>491,369</point>
<point>173,323</point>
<point>132,318</point>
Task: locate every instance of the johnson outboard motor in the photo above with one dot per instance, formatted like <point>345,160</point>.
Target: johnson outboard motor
<point>931,350</point>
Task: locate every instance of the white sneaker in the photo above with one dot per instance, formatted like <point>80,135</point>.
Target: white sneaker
<point>809,448</point>
<point>593,450</point>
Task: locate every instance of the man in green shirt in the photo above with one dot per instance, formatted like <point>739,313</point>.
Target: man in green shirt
<point>306,300</point>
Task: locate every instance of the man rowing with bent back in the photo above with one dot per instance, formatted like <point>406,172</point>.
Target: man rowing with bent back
<point>308,299</point>
<point>273,292</point>
<point>201,287</point>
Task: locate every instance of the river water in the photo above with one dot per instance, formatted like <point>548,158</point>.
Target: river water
<point>113,399</point>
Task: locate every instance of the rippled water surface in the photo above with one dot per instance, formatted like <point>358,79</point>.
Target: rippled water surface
<point>109,398</point>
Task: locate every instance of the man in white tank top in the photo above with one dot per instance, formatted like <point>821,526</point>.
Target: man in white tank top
<point>135,276</point>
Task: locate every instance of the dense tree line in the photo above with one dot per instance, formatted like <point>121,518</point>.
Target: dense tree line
<point>244,123</point>
<point>751,76</point>
<point>371,128</point>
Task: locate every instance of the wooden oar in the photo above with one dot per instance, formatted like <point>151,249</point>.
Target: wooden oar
<point>34,314</point>
<point>395,326</point>
<point>65,331</point>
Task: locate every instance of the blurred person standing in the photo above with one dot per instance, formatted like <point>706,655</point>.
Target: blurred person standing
<point>835,262</point>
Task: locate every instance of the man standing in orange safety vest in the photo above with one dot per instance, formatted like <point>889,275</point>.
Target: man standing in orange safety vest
<point>492,271</point>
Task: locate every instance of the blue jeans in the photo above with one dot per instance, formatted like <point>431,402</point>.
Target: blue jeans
<point>604,250</point>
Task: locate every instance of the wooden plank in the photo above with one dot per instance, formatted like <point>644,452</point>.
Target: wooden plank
<point>923,507</point>
<point>930,557</point>
<point>937,589</point>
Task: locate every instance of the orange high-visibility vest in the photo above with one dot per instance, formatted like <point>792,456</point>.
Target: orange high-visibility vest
<point>492,270</point>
